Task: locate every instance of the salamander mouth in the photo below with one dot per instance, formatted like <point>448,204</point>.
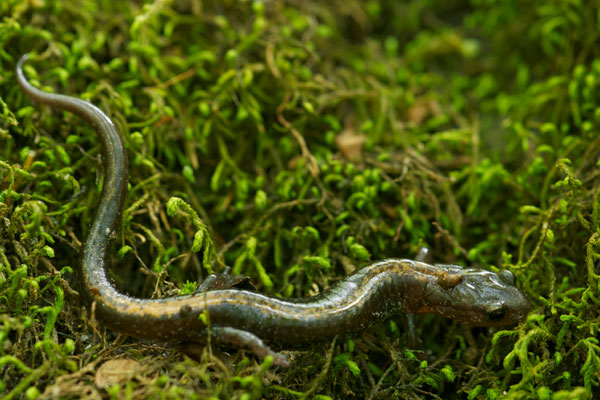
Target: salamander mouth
<point>498,315</point>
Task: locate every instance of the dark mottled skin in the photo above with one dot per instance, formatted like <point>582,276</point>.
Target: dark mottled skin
<point>369,295</point>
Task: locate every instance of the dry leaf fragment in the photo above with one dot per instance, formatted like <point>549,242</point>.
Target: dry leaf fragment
<point>350,144</point>
<point>423,108</point>
<point>115,372</point>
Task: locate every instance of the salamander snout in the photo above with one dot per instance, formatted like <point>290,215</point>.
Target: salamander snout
<point>482,298</point>
<point>496,300</point>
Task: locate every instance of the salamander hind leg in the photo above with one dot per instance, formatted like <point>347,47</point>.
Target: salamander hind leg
<point>239,338</point>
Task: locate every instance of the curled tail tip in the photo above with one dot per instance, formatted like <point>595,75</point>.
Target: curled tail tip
<point>19,69</point>
<point>22,61</point>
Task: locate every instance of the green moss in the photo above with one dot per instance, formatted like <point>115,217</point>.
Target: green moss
<point>480,123</point>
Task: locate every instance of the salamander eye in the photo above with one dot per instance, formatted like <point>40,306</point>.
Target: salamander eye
<point>506,277</point>
<point>497,314</point>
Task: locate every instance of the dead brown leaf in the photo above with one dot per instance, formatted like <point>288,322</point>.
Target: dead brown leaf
<point>350,144</point>
<point>422,109</point>
<point>115,372</point>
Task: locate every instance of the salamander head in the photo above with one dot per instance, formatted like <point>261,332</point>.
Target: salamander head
<point>477,297</point>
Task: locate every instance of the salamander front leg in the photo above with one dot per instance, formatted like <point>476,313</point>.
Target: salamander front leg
<point>240,338</point>
<point>412,339</point>
<point>225,281</point>
<point>424,255</point>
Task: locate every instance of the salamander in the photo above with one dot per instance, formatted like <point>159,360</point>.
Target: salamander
<point>247,318</point>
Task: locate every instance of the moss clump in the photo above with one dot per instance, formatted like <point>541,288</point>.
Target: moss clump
<point>474,127</point>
